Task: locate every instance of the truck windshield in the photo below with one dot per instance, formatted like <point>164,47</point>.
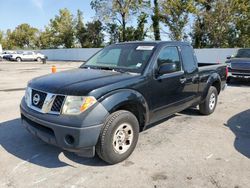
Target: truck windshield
<point>243,53</point>
<point>122,57</point>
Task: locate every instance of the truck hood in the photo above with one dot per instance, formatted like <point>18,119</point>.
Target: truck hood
<point>78,81</point>
<point>240,63</point>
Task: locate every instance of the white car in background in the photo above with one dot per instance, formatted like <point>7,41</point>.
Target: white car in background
<point>1,56</point>
<point>27,56</point>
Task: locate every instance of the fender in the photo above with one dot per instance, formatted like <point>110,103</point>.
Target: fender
<point>215,77</point>
<point>115,99</point>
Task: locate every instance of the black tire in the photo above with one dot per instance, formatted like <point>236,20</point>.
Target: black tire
<point>105,147</point>
<point>206,107</point>
<point>229,79</point>
<point>18,59</point>
<point>39,59</point>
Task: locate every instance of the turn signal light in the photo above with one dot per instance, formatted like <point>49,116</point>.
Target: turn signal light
<point>89,101</point>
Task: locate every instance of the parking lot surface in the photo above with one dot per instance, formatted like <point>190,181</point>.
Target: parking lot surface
<point>186,150</point>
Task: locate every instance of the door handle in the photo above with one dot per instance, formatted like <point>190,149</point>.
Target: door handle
<point>183,80</point>
<point>195,78</point>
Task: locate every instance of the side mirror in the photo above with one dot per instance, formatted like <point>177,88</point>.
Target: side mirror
<point>167,68</point>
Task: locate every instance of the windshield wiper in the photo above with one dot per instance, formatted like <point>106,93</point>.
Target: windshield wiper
<point>106,68</point>
<point>113,69</point>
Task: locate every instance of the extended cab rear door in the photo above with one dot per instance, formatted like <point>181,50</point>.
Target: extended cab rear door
<point>191,74</point>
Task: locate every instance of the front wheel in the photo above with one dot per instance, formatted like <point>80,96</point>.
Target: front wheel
<point>209,105</point>
<point>118,137</point>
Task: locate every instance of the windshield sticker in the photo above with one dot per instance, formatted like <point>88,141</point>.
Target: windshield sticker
<point>138,65</point>
<point>145,48</point>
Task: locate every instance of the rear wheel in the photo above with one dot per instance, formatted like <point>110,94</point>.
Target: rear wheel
<point>18,59</point>
<point>118,137</point>
<point>209,105</point>
<point>39,59</point>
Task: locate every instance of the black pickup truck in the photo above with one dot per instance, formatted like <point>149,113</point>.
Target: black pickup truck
<point>103,105</point>
<point>239,65</point>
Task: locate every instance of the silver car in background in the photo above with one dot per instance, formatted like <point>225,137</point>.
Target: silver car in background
<point>27,56</point>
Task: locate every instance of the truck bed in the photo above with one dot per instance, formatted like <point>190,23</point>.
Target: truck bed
<point>201,64</point>
<point>207,69</point>
<point>211,66</point>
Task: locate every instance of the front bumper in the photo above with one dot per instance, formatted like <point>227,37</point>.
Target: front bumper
<point>237,74</point>
<point>69,133</point>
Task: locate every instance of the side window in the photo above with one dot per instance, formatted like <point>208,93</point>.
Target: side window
<point>169,55</point>
<point>188,57</point>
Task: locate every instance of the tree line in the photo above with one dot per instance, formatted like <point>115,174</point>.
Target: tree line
<point>211,23</point>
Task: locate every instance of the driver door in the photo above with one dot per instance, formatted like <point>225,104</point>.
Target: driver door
<point>166,89</point>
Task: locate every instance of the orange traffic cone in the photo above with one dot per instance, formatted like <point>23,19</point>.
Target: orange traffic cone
<point>53,69</point>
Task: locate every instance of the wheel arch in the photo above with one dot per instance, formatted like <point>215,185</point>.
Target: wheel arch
<point>130,100</point>
<point>213,80</point>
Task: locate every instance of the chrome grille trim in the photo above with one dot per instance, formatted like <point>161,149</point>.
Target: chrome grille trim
<point>48,102</point>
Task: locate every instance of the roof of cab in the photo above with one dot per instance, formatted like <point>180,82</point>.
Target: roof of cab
<point>179,43</point>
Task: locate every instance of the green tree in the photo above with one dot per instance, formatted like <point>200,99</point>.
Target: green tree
<point>62,29</point>
<point>217,24</point>
<point>118,11</point>
<point>1,37</point>
<point>156,20</point>
<point>7,41</point>
<point>199,34</point>
<point>174,13</point>
<point>222,24</point>
<point>131,33</point>
<point>81,33</point>
<point>3,41</point>
<point>23,36</point>
<point>46,39</point>
<point>95,37</point>
<point>139,32</point>
<point>241,30</point>
<point>113,30</point>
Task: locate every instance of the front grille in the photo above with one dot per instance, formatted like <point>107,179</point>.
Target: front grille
<point>58,102</point>
<point>40,96</point>
<point>42,102</point>
<point>239,71</point>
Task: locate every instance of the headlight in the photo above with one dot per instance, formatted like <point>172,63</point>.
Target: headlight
<point>27,96</point>
<point>75,105</point>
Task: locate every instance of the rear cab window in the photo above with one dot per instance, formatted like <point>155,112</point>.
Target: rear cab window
<point>188,58</point>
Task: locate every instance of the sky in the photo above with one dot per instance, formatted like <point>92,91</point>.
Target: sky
<point>37,13</point>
